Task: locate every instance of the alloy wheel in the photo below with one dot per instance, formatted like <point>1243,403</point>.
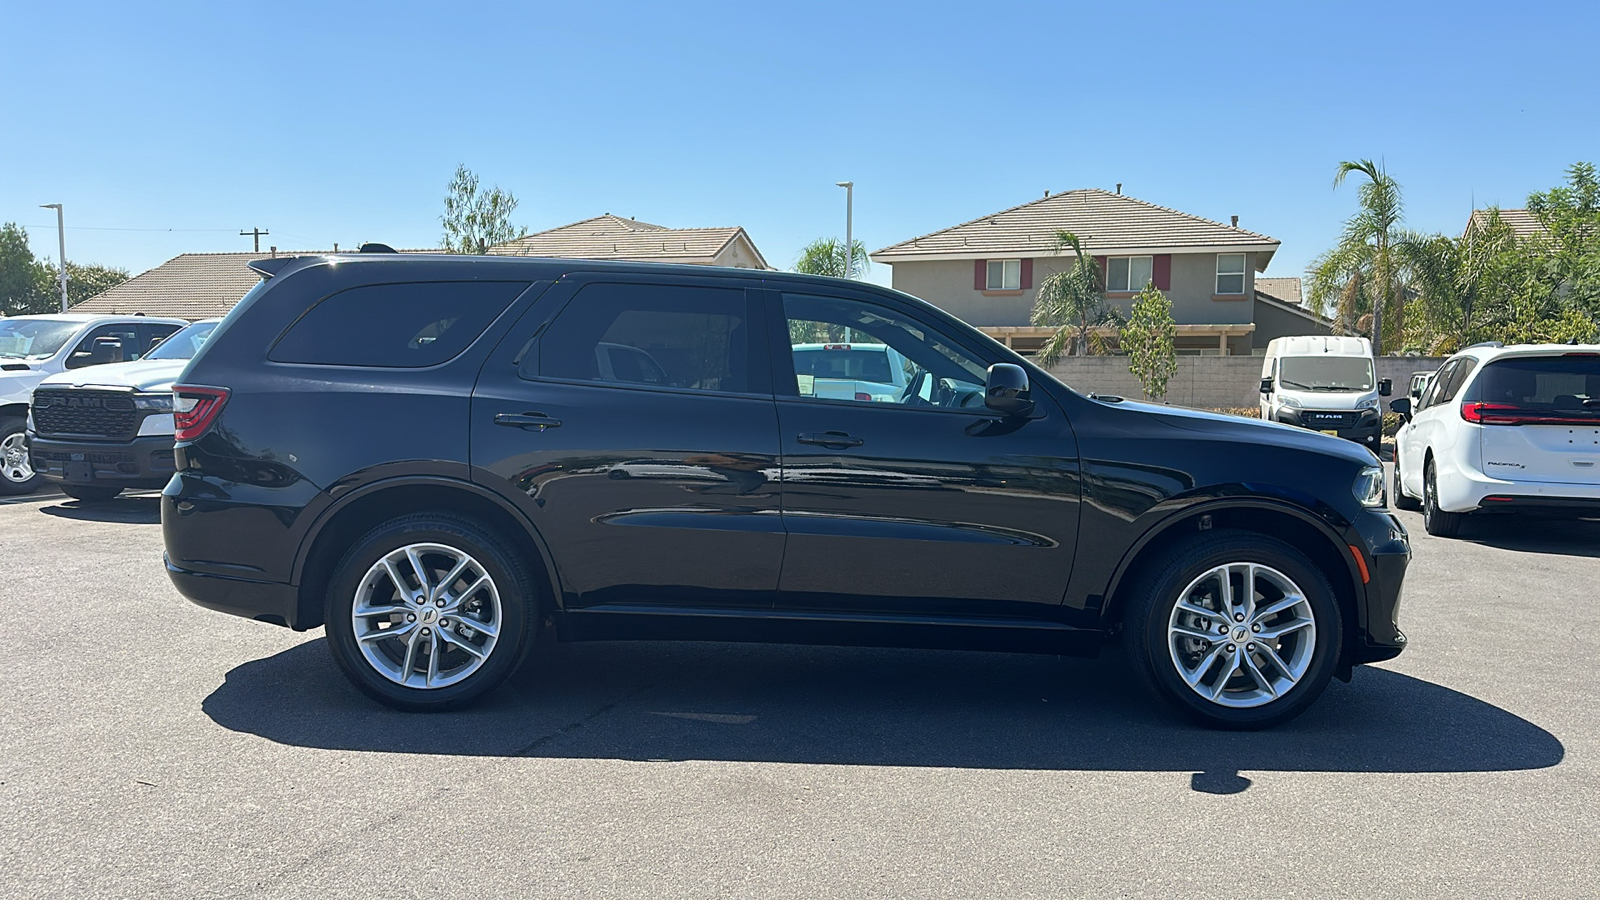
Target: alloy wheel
<point>14,462</point>
<point>426,616</point>
<point>1242,635</point>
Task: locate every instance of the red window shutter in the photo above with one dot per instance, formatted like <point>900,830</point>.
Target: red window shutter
<point>1161,271</point>
<point>1101,260</point>
<point>980,274</point>
<point>1027,274</point>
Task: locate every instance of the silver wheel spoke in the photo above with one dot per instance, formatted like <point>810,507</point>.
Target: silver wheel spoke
<point>1272,656</point>
<point>434,651</point>
<point>398,584</point>
<point>1230,664</point>
<point>1193,633</point>
<point>380,634</point>
<point>365,612</point>
<point>1273,634</point>
<point>454,603</point>
<point>419,571</point>
<point>1256,674</point>
<point>1193,676</point>
<point>1201,611</point>
<point>1249,598</point>
<point>449,578</point>
<point>456,640</point>
<point>410,663</point>
<point>1288,602</point>
<point>1243,667</point>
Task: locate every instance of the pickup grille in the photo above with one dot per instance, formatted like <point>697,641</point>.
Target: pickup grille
<point>70,412</point>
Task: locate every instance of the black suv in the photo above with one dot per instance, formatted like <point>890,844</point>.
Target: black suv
<point>437,456</point>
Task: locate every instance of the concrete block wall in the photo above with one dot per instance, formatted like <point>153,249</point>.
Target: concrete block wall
<point>1207,382</point>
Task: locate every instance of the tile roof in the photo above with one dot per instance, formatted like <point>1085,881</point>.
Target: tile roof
<point>1523,223</point>
<point>1103,220</point>
<point>613,237</point>
<point>1286,290</point>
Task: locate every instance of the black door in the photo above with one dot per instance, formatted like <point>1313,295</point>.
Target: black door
<point>637,429</point>
<point>908,494</point>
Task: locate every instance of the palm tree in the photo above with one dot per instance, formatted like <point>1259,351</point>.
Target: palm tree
<point>1362,270</point>
<point>826,256</point>
<point>1074,302</point>
<point>1456,281</point>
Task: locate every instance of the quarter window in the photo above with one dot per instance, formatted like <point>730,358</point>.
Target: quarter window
<point>648,335</point>
<point>1128,273</point>
<point>1230,273</point>
<point>1004,275</point>
<point>403,326</point>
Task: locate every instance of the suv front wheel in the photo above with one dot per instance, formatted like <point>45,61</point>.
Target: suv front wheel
<point>429,612</point>
<point>1238,629</point>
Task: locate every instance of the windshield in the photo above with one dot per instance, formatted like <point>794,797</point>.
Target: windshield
<point>856,364</point>
<point>183,344</point>
<point>1326,373</point>
<point>1567,384</point>
<point>34,338</point>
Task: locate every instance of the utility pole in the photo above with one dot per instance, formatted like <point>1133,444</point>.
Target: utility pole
<point>61,236</point>
<point>255,233</point>
<point>849,213</point>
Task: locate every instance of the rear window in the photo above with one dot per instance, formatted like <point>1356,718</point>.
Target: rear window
<point>403,326</point>
<point>1553,383</point>
<point>854,364</point>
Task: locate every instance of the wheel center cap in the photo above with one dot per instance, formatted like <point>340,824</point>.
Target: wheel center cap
<point>1240,633</point>
<point>428,616</point>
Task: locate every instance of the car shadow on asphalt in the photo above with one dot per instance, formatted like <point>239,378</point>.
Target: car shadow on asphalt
<point>1534,534</point>
<point>139,509</point>
<point>663,701</point>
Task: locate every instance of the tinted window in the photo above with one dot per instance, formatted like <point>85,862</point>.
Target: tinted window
<point>1440,378</point>
<point>395,325</point>
<point>645,334</point>
<point>185,344</point>
<point>1458,375</point>
<point>1554,383</point>
<point>128,335</point>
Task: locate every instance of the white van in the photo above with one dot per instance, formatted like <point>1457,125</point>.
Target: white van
<point>1324,383</point>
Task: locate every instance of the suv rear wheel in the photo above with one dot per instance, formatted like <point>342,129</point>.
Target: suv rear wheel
<point>16,469</point>
<point>429,612</point>
<point>1237,629</point>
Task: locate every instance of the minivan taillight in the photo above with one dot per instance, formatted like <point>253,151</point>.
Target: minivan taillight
<point>194,408</point>
<point>1506,414</point>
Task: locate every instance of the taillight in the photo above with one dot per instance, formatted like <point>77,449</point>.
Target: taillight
<point>194,408</point>
<point>862,395</point>
<point>1506,414</point>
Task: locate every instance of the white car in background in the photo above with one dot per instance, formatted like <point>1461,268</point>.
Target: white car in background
<point>1502,428</point>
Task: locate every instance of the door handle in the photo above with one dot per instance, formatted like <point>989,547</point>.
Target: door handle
<point>526,420</point>
<point>830,439</point>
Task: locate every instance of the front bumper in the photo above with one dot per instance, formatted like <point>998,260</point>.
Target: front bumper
<point>145,462</point>
<point>1382,539</point>
<point>1368,427</point>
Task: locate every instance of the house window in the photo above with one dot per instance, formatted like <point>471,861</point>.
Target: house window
<point>1004,275</point>
<point>1230,273</point>
<point>1125,274</point>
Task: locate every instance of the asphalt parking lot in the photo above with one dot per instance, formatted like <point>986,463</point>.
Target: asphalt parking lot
<point>149,747</point>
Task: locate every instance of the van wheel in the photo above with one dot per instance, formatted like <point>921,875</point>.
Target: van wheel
<point>1402,500</point>
<point>16,469</point>
<point>1436,521</point>
<point>91,493</point>
<point>1237,629</point>
<point>429,612</point>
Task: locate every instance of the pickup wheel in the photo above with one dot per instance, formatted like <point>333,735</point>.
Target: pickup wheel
<point>1237,629</point>
<point>16,469</point>
<point>91,493</point>
<point>429,612</point>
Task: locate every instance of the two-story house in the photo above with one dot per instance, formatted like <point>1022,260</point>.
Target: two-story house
<point>987,271</point>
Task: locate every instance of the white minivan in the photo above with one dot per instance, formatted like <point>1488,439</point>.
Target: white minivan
<point>1325,383</point>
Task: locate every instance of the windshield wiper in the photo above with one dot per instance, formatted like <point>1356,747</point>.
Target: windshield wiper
<point>1287,383</point>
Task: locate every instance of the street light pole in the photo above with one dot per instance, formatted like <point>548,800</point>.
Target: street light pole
<point>61,237</point>
<point>849,213</point>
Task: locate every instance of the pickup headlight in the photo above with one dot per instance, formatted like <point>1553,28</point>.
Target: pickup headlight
<point>1290,401</point>
<point>1369,486</point>
<point>161,401</point>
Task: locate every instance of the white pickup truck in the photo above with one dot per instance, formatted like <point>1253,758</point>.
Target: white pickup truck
<point>873,372</point>
<point>32,348</point>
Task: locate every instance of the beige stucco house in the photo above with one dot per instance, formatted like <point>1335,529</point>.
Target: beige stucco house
<point>988,270</point>
<point>614,237</point>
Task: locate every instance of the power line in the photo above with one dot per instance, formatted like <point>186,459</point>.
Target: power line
<point>103,228</point>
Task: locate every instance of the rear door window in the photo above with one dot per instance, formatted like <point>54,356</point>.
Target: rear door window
<point>1566,384</point>
<point>403,326</point>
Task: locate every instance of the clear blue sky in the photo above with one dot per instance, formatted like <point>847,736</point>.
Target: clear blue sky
<point>342,122</point>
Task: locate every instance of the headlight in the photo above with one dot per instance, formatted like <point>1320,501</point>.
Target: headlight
<point>1290,401</point>
<point>1369,403</point>
<point>1369,486</point>
<point>162,402</point>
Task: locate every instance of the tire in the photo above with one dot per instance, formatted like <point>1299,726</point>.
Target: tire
<point>497,618</point>
<point>17,476</point>
<point>91,493</point>
<point>1302,655</point>
<point>1436,521</point>
<point>1402,500</point>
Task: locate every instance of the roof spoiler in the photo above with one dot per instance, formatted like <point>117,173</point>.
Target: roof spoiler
<point>270,267</point>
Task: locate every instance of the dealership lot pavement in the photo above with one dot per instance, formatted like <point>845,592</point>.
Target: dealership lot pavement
<point>148,746</point>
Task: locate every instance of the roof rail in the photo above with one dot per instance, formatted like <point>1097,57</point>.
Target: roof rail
<point>372,247</point>
<point>1495,344</point>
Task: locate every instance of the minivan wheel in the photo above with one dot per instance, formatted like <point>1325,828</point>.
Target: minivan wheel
<point>1237,629</point>
<point>429,612</point>
<point>1402,500</point>
<point>16,469</point>
<point>1436,521</point>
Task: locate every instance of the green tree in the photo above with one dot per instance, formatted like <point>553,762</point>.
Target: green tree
<point>26,283</point>
<point>1361,275</point>
<point>1149,339</point>
<point>1074,303</point>
<point>84,282</point>
<point>826,256</point>
<point>1571,242</point>
<point>475,220</point>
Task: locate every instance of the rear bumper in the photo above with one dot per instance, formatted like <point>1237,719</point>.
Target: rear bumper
<point>1467,490</point>
<point>262,601</point>
<point>145,462</point>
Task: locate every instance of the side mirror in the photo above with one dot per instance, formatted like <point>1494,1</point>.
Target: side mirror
<point>1006,390</point>
<point>1385,387</point>
<point>1401,406</point>
<point>1266,385</point>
